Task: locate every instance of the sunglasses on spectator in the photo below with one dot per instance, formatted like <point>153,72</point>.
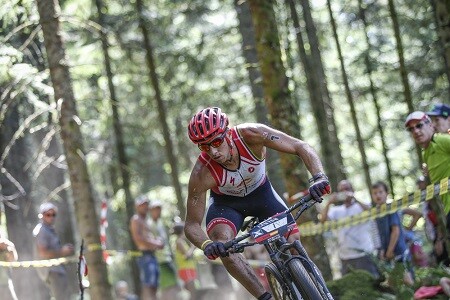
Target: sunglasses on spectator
<point>417,126</point>
<point>215,143</point>
<point>50,215</point>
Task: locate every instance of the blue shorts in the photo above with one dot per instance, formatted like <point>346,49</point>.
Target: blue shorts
<point>263,202</point>
<point>148,270</point>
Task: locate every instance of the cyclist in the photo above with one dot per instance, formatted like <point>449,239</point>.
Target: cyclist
<point>232,166</point>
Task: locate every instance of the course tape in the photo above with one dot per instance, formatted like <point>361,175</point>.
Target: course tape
<point>307,229</point>
<point>418,196</point>
<point>64,260</point>
<point>40,263</point>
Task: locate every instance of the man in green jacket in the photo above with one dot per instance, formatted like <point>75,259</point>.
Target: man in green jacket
<point>435,152</point>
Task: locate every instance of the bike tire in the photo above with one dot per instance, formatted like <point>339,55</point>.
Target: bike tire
<point>275,280</point>
<point>316,276</point>
<point>303,281</point>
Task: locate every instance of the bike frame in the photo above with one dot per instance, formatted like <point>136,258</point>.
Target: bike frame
<point>271,233</point>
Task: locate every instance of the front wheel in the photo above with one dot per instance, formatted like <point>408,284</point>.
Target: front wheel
<point>280,289</point>
<point>303,281</point>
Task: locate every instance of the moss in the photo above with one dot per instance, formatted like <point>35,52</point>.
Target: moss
<point>357,284</point>
<point>360,284</point>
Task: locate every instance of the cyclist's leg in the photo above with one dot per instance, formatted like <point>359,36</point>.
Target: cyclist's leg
<point>222,225</point>
<point>236,264</point>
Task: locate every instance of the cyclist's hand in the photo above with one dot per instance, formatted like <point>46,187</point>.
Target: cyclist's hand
<point>214,250</point>
<point>320,187</point>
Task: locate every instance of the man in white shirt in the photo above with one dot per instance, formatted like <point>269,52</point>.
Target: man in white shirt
<point>355,242</point>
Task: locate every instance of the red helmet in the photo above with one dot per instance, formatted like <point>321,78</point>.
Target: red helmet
<point>207,124</point>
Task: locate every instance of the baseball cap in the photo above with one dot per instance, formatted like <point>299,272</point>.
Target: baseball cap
<point>46,206</point>
<point>155,203</point>
<point>141,200</point>
<point>417,115</point>
<point>440,110</point>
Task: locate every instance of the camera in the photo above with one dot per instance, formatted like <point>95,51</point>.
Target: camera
<point>340,198</point>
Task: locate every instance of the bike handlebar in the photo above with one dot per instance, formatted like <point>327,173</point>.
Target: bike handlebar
<point>304,203</point>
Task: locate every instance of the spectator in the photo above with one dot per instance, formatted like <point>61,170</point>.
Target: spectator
<point>121,290</point>
<point>148,243</point>
<point>413,242</point>
<point>432,229</point>
<point>393,244</point>
<point>8,253</point>
<point>169,282</point>
<point>354,242</point>
<point>435,152</point>
<point>49,246</point>
<point>440,116</point>
<point>184,256</point>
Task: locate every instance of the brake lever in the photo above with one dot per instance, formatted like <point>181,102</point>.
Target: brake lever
<point>247,223</point>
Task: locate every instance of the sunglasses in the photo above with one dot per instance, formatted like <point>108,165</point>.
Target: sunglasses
<point>50,215</point>
<point>417,126</point>
<point>215,143</point>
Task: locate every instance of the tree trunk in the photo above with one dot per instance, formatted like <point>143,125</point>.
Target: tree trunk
<point>403,71</point>
<point>321,103</point>
<point>161,109</point>
<point>255,77</point>
<point>87,219</point>
<point>118,135</point>
<point>283,116</point>
<point>442,13</point>
<point>350,100</point>
<point>373,92</point>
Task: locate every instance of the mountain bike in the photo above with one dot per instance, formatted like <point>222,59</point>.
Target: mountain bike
<point>290,276</point>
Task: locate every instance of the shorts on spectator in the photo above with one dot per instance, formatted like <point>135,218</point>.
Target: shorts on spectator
<point>168,275</point>
<point>187,275</point>
<point>148,270</point>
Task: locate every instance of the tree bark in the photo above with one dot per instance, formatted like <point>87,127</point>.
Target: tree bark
<point>320,100</point>
<point>373,92</point>
<point>283,116</point>
<point>161,108</point>
<point>403,71</point>
<point>255,77</point>
<point>442,13</point>
<point>118,134</point>
<point>351,103</point>
<point>87,219</point>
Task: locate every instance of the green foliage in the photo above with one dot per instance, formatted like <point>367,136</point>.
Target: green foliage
<point>430,276</point>
<point>357,284</point>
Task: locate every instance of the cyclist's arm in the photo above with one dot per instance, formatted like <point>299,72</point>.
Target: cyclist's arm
<point>256,136</point>
<point>199,183</point>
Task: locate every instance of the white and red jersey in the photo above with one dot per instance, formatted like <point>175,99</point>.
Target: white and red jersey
<point>250,174</point>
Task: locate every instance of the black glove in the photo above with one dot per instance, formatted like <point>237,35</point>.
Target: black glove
<point>214,250</point>
<point>319,187</point>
